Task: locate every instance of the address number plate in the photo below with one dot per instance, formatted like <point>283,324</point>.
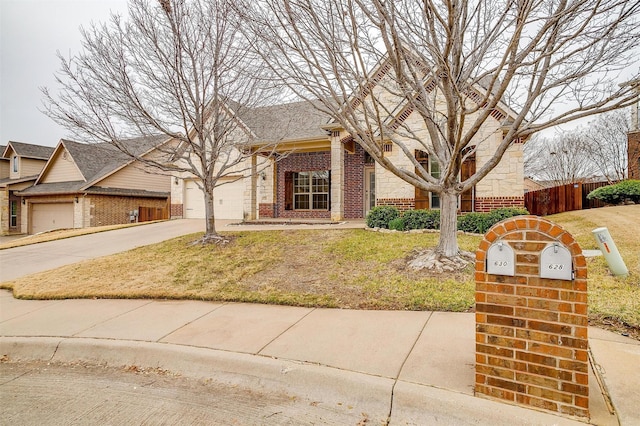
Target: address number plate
<point>501,259</point>
<point>555,262</point>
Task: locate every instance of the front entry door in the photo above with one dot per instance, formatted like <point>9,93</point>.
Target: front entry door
<point>369,189</point>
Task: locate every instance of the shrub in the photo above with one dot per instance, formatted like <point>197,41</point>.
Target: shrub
<point>479,223</point>
<point>473,222</point>
<point>495,216</point>
<point>421,219</point>
<point>381,216</point>
<point>397,224</point>
<point>617,193</point>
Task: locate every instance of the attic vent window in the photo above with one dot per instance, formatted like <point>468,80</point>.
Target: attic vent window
<point>387,147</point>
<point>65,155</point>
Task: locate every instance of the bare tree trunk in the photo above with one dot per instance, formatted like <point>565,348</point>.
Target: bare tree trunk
<point>448,243</point>
<point>210,233</point>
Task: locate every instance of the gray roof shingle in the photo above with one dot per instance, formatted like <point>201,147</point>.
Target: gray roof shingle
<point>296,120</point>
<point>31,151</point>
<point>99,160</point>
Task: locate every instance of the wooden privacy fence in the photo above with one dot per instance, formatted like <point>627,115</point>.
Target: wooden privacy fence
<point>564,198</point>
<point>146,214</point>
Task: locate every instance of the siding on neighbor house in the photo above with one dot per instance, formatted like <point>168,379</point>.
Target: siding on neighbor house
<point>30,166</point>
<point>134,177</point>
<point>62,169</point>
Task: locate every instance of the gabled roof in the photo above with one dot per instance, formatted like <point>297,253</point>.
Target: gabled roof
<point>94,161</point>
<point>27,150</point>
<point>291,121</point>
<point>97,161</point>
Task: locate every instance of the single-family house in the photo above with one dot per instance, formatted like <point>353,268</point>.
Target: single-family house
<point>321,172</point>
<point>84,185</point>
<point>20,165</point>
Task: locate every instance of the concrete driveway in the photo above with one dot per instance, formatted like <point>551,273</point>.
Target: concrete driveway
<point>20,261</point>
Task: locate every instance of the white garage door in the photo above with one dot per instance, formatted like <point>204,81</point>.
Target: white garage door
<point>228,200</point>
<point>45,217</point>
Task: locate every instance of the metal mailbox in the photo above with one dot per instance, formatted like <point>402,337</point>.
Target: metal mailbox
<point>556,263</point>
<point>501,259</point>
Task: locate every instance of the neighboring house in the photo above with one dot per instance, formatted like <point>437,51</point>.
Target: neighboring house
<point>530,184</point>
<point>323,173</point>
<point>84,185</point>
<point>20,165</point>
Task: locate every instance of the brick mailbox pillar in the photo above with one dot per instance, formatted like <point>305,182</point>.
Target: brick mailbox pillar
<point>531,317</point>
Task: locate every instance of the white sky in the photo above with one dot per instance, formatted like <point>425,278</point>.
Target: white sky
<point>31,32</point>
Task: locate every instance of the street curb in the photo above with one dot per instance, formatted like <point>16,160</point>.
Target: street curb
<point>318,384</point>
<point>374,396</point>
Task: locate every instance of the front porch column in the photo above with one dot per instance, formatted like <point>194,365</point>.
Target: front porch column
<point>337,177</point>
<point>254,187</point>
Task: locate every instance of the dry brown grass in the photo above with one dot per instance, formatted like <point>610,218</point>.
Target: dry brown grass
<point>330,268</point>
<point>613,301</point>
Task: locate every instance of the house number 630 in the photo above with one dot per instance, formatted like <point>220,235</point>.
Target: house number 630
<point>501,263</point>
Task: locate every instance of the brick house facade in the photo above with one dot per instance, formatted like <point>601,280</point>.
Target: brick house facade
<point>633,152</point>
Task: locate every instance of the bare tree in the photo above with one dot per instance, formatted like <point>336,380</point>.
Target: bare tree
<point>606,137</point>
<point>560,160</point>
<point>179,68</point>
<point>453,64</point>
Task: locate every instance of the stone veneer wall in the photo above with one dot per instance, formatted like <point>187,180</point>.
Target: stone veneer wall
<point>531,332</point>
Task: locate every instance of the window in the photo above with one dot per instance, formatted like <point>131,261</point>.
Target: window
<point>13,214</point>
<point>434,170</point>
<point>15,164</point>
<point>309,190</point>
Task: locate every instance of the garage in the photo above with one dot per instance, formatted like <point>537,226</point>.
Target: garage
<point>228,200</point>
<point>45,217</point>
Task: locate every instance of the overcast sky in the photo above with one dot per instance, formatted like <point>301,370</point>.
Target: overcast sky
<point>31,32</point>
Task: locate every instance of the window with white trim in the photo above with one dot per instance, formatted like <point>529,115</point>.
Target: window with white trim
<point>13,214</point>
<point>311,190</point>
<point>15,163</point>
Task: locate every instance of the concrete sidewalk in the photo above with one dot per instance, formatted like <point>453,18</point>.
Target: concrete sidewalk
<point>406,367</point>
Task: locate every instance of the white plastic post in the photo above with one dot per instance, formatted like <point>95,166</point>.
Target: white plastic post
<point>610,252</point>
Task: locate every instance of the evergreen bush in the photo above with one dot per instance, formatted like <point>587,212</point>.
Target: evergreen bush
<point>397,224</point>
<point>381,216</point>
<point>421,219</point>
<point>617,193</point>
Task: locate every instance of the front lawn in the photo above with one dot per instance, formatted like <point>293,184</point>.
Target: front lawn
<point>326,268</point>
<point>330,268</point>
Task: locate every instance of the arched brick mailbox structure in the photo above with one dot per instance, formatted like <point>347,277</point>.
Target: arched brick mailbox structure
<point>531,317</point>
